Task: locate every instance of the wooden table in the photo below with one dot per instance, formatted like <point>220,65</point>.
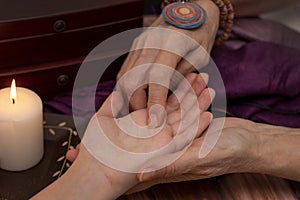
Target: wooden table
<point>233,186</point>
<point>22,185</point>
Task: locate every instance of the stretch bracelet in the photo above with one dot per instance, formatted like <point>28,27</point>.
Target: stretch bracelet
<point>188,15</point>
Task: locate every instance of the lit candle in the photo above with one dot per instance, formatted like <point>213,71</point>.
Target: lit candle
<point>21,128</point>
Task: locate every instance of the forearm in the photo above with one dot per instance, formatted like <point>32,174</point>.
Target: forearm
<point>88,179</point>
<point>279,152</point>
<point>256,7</point>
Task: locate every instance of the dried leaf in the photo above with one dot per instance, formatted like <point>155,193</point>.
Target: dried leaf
<point>75,133</point>
<point>56,174</point>
<point>62,124</point>
<point>61,158</point>
<point>51,131</point>
<point>65,143</point>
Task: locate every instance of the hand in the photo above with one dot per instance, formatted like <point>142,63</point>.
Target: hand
<point>235,151</point>
<point>173,115</point>
<point>179,122</point>
<point>151,48</point>
<point>91,178</point>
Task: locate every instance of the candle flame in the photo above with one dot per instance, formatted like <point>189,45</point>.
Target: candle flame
<point>13,91</point>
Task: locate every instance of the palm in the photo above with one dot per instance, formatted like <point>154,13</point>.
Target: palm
<point>136,144</point>
<point>171,128</point>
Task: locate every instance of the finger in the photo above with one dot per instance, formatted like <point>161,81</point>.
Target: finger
<point>160,78</point>
<point>187,112</point>
<point>138,100</point>
<point>206,98</point>
<point>72,154</point>
<point>196,100</point>
<point>175,118</point>
<point>157,95</point>
<point>200,83</point>
<point>184,67</point>
<point>204,120</point>
<point>174,101</point>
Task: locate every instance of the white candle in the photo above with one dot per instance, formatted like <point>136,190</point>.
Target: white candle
<point>21,129</point>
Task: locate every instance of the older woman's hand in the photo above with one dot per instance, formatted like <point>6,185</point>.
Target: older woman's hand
<point>234,151</point>
<point>242,146</point>
<point>168,45</point>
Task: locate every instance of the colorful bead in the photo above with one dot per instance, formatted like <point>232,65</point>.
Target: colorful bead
<point>184,15</point>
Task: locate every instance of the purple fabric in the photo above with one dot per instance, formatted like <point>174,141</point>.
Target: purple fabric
<point>262,82</point>
<point>260,67</point>
<point>63,104</point>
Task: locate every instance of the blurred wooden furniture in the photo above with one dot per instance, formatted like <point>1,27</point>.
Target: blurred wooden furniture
<point>42,43</point>
<point>227,187</point>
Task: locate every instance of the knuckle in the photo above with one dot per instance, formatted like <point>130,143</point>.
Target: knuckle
<point>155,99</point>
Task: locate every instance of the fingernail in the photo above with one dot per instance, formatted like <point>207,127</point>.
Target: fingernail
<point>157,115</point>
<point>212,93</point>
<point>211,116</point>
<point>146,174</point>
<point>205,77</point>
<point>154,120</point>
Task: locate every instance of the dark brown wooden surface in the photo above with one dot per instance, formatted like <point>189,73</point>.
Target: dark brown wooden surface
<point>12,10</point>
<point>33,40</point>
<point>37,56</point>
<point>21,185</point>
<point>227,187</point>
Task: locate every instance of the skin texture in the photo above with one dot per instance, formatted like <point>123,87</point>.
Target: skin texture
<point>88,178</point>
<point>243,146</point>
<point>157,94</point>
<point>151,94</point>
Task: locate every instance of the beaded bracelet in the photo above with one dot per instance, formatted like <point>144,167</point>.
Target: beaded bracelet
<point>226,18</point>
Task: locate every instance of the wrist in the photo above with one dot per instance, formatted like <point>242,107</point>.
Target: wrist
<point>212,11</point>
<point>88,179</point>
<point>209,6</point>
<point>277,151</point>
<point>103,181</point>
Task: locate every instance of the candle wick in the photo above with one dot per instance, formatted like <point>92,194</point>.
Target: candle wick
<point>13,101</point>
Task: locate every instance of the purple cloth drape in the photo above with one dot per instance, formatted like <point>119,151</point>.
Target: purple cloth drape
<point>260,67</point>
